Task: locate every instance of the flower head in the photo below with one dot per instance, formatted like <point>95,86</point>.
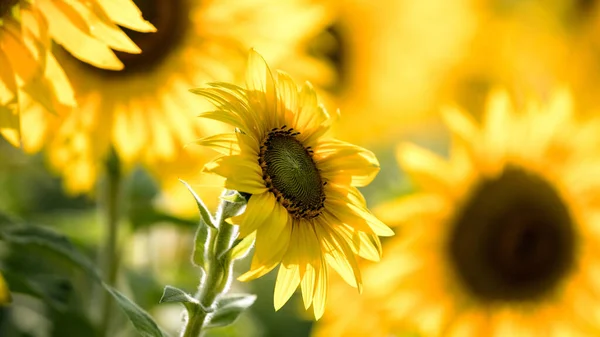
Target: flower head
<point>144,111</point>
<point>500,240</point>
<point>31,78</point>
<point>304,209</point>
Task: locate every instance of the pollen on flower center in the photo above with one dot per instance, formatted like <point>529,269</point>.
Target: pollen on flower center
<point>514,238</point>
<point>291,174</point>
<point>5,6</point>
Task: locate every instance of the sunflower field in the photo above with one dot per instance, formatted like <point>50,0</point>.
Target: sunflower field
<point>299,168</point>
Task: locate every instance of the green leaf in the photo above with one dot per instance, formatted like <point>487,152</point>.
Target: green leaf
<point>28,237</point>
<point>143,323</point>
<point>173,294</point>
<point>229,308</point>
<point>233,196</point>
<point>202,238</point>
<point>204,213</point>
<point>234,204</point>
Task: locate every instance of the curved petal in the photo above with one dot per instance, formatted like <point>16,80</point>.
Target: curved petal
<point>258,211</point>
<point>272,238</point>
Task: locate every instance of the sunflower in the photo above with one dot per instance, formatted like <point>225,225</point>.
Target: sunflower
<point>30,76</point>
<point>143,111</point>
<point>304,209</point>
<point>530,47</point>
<point>384,59</point>
<point>501,239</point>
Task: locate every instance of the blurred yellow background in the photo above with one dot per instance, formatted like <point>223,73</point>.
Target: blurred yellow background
<point>89,84</point>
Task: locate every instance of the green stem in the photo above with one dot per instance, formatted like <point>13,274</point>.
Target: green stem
<point>110,210</point>
<point>218,274</point>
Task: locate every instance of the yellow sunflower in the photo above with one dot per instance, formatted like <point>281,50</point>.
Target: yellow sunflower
<point>144,112</point>
<point>384,61</point>
<point>305,209</point>
<point>501,239</point>
<point>530,47</point>
<point>30,76</point>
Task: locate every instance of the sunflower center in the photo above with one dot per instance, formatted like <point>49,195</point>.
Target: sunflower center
<point>5,6</point>
<point>171,21</point>
<point>514,239</point>
<point>332,46</point>
<point>291,174</point>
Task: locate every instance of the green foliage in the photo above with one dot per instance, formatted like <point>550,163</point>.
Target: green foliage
<point>204,212</point>
<point>201,239</point>
<point>142,321</point>
<point>172,294</point>
<point>228,308</point>
<point>33,237</point>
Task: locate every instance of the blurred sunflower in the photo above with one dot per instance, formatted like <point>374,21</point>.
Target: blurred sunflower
<point>144,112</point>
<point>304,209</point>
<point>384,59</point>
<point>529,47</point>
<point>30,76</point>
<point>502,238</point>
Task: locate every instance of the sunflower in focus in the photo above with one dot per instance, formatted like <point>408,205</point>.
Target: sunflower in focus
<point>304,209</point>
<point>501,239</point>
<point>143,111</point>
<point>31,78</point>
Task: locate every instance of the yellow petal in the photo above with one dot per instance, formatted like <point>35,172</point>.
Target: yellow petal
<point>309,115</point>
<point>427,169</point>
<point>272,238</point>
<point>69,30</point>
<point>261,86</point>
<point>287,282</point>
<point>8,84</point>
<point>287,92</point>
<point>320,296</point>
<point>20,57</point>
<point>242,174</point>
<point>103,28</point>
<point>460,124</point>
<point>259,211</point>
<point>257,272</point>
<point>344,163</point>
<point>126,14</point>
<point>308,284</point>
<point>340,256</point>
<point>225,143</point>
<point>406,208</point>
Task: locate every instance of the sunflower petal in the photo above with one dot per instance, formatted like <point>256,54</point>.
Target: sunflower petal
<point>272,238</point>
<point>225,143</point>
<point>287,282</point>
<point>69,30</point>
<point>320,296</point>
<point>259,210</point>
<point>126,14</point>
<point>261,86</point>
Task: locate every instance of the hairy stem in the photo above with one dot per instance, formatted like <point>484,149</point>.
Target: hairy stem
<point>218,274</point>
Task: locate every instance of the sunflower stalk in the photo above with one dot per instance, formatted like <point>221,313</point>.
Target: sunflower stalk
<point>110,209</point>
<point>216,250</point>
